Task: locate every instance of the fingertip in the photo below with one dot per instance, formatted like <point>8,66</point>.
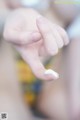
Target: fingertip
<point>47,75</point>
<point>51,74</point>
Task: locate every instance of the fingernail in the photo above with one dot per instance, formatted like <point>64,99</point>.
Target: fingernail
<point>52,73</point>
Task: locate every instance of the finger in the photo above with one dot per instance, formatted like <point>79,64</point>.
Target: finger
<point>47,35</point>
<point>22,38</point>
<point>58,37</point>
<point>63,34</point>
<point>59,41</point>
<point>42,50</point>
<point>39,70</point>
<point>37,67</point>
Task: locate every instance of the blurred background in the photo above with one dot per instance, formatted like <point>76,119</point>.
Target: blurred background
<point>46,99</point>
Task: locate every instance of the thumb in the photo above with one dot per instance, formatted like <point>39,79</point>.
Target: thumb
<point>22,38</point>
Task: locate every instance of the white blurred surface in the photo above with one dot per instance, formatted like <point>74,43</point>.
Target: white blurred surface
<point>38,4</point>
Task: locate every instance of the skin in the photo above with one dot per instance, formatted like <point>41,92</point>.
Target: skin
<point>51,109</point>
<point>69,80</point>
<point>10,93</point>
<point>61,99</point>
<point>72,77</point>
<point>31,40</point>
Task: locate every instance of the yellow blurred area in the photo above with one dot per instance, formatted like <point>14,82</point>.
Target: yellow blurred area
<point>24,72</point>
<point>30,98</point>
<point>26,76</point>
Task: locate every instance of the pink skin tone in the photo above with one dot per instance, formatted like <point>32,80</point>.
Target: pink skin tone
<point>32,36</point>
<point>71,73</point>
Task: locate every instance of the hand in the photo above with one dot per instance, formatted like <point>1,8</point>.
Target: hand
<point>33,36</point>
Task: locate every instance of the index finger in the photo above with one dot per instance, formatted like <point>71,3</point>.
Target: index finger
<point>32,58</point>
<point>47,35</point>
